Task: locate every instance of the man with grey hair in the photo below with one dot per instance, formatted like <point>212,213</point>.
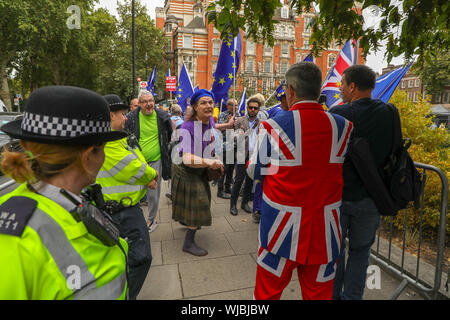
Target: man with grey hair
<point>153,129</point>
<point>300,152</point>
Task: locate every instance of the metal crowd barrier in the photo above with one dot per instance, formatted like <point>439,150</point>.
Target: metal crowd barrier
<point>400,264</point>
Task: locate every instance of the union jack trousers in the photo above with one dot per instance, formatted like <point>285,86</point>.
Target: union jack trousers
<point>300,153</point>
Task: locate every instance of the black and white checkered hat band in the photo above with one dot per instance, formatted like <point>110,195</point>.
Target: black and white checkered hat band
<point>62,127</point>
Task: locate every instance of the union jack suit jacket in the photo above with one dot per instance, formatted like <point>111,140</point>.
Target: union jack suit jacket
<point>301,153</point>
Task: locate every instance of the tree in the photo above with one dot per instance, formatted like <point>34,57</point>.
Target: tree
<point>429,146</point>
<point>435,72</point>
<point>409,27</point>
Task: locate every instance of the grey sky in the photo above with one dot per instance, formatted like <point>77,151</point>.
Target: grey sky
<point>375,61</point>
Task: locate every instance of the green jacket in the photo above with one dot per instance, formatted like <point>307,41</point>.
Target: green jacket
<point>124,173</point>
<point>54,257</point>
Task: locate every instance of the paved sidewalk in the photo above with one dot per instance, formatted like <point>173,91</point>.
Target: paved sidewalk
<point>228,271</point>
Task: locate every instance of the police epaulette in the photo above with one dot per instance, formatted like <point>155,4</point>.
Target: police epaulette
<point>14,215</point>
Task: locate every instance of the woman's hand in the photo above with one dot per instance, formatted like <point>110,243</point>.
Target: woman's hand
<point>216,164</point>
<point>153,184</point>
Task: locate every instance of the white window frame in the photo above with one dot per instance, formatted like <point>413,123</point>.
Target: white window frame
<point>306,43</point>
<point>306,21</point>
<point>250,45</point>
<point>185,45</point>
<point>265,65</point>
<point>410,83</point>
<point>247,62</point>
<point>416,83</point>
<point>286,64</point>
<point>403,84</point>
<point>284,46</point>
<point>285,12</point>
<point>445,97</point>
<point>215,48</point>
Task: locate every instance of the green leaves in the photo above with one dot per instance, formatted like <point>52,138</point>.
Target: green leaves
<point>411,27</point>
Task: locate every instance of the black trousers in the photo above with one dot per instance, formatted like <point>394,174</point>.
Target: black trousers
<point>227,179</point>
<point>133,228</point>
<point>240,177</point>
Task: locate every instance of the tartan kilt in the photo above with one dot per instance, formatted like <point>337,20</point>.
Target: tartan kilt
<point>191,196</point>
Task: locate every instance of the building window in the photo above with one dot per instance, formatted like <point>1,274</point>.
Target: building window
<point>416,83</point>
<point>331,60</point>
<point>214,67</point>
<point>250,66</point>
<point>267,50</point>
<point>284,66</point>
<point>403,84</point>
<point>285,12</point>
<point>445,97</point>
<point>188,62</point>
<point>416,96</point>
<point>306,43</point>
<point>169,27</point>
<point>410,83</point>
<point>284,49</point>
<point>267,66</point>
<point>250,47</point>
<point>298,58</point>
<point>290,32</point>
<point>306,26</point>
<point>187,42</point>
<point>264,86</point>
<point>216,48</point>
<point>254,84</point>
<point>437,98</point>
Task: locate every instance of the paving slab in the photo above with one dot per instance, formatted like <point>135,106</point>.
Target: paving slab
<point>217,275</point>
<point>162,283</point>
<point>216,245</point>
<point>243,241</point>
<point>219,225</point>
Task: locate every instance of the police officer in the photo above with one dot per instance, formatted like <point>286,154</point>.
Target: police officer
<point>124,178</point>
<point>46,252</point>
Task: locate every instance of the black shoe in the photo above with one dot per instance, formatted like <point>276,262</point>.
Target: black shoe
<point>233,210</point>
<point>256,216</point>
<point>223,195</point>
<point>246,207</point>
<point>228,190</point>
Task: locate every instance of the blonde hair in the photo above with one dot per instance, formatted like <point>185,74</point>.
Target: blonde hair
<point>40,161</point>
<point>176,110</point>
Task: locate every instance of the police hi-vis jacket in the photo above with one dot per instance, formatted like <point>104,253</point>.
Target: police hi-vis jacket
<point>124,173</point>
<point>46,254</point>
<point>301,152</point>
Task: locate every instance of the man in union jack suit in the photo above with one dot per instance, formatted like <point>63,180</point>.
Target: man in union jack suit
<point>300,152</point>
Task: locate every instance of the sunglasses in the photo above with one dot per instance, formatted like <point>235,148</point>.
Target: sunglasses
<point>253,108</point>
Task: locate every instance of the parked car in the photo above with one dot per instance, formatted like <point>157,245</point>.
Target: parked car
<point>5,140</point>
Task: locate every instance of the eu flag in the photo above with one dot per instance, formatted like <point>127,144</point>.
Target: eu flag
<point>241,106</point>
<point>386,84</point>
<point>309,58</point>
<point>227,67</point>
<point>184,89</point>
<point>280,91</point>
<point>151,81</point>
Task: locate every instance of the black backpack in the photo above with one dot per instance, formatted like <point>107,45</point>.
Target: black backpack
<point>399,173</point>
<point>398,182</point>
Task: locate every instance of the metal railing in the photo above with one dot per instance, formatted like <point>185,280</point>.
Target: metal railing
<point>400,264</point>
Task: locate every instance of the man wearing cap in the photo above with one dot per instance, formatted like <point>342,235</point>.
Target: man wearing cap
<point>153,129</point>
<point>124,178</point>
<point>48,249</point>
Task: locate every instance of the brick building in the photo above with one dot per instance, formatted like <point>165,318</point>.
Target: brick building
<point>197,44</point>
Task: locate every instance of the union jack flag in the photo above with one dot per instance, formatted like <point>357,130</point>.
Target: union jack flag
<point>330,87</point>
<point>302,188</point>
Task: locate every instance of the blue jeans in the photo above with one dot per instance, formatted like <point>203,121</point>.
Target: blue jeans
<point>359,222</point>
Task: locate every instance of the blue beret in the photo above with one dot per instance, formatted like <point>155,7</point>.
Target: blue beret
<point>200,93</point>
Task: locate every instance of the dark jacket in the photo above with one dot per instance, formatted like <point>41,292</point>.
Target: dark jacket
<point>373,120</point>
<point>164,134</point>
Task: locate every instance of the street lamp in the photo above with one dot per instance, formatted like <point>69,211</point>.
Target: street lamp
<point>133,40</point>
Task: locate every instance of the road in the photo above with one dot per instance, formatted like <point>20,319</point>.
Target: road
<point>4,180</point>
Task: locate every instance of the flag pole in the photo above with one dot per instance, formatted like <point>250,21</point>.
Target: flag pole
<point>234,70</point>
